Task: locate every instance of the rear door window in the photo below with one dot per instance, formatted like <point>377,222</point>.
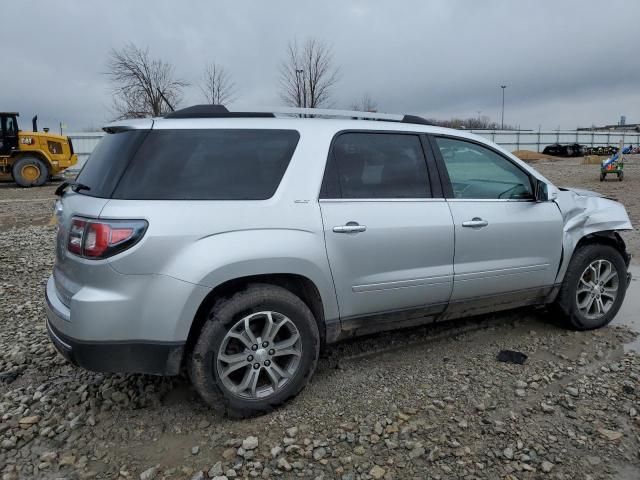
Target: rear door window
<point>208,165</point>
<point>376,165</point>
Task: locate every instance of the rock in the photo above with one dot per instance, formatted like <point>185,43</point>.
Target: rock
<point>29,420</point>
<point>275,451</point>
<point>610,434</point>
<point>377,472</point>
<point>7,443</point>
<point>198,476</point>
<point>508,453</point>
<point>231,473</point>
<point>149,473</point>
<point>220,477</point>
<point>546,466</point>
<point>359,450</point>
<point>195,450</point>
<point>283,464</point>
<point>520,392</point>
<point>216,470</point>
<point>292,432</point>
<point>229,454</point>
<point>48,457</point>
<point>572,391</point>
<point>546,408</point>
<point>417,452</point>
<point>250,443</point>
<point>67,460</point>
<point>521,384</point>
<point>319,453</point>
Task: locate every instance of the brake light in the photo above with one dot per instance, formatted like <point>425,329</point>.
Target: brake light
<point>96,239</point>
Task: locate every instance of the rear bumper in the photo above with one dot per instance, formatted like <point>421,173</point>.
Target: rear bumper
<point>151,357</point>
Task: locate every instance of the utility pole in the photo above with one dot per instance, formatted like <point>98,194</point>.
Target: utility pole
<point>502,121</point>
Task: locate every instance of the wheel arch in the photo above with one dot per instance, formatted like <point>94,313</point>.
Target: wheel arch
<point>606,237</point>
<point>299,285</point>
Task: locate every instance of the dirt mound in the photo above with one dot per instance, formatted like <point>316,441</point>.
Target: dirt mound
<point>531,156</point>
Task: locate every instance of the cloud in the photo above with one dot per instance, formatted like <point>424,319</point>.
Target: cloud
<point>438,58</point>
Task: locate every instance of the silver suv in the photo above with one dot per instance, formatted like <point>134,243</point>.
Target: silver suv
<point>236,244</point>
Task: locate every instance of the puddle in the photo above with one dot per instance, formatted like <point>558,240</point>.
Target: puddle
<point>630,310</point>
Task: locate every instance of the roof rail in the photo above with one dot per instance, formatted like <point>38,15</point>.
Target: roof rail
<point>220,111</point>
<point>214,111</point>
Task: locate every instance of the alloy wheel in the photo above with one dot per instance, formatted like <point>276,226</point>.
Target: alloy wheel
<point>259,355</point>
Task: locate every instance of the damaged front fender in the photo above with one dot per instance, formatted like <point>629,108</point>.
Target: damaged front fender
<point>584,213</point>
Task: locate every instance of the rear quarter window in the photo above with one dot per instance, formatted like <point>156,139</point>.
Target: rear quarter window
<point>107,162</point>
<point>208,165</point>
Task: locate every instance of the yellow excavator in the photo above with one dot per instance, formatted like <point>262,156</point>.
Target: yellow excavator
<point>32,158</point>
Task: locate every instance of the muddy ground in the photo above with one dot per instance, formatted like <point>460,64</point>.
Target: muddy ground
<point>429,402</point>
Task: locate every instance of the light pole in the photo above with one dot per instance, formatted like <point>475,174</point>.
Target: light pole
<point>502,121</point>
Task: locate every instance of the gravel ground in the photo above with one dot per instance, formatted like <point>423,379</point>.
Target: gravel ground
<point>429,402</point>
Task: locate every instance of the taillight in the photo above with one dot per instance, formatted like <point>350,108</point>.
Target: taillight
<point>97,239</point>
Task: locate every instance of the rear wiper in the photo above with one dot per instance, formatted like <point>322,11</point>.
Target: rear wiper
<point>75,186</point>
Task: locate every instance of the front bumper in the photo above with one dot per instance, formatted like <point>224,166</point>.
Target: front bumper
<point>151,357</point>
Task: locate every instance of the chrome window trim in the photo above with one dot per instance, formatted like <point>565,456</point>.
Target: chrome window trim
<point>491,200</point>
<point>378,200</point>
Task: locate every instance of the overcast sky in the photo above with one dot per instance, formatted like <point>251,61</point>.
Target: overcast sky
<point>566,63</point>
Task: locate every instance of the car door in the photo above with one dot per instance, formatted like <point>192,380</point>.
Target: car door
<point>389,242</point>
<point>506,243</point>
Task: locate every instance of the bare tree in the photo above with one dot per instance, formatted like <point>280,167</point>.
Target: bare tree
<point>307,75</point>
<point>142,86</point>
<point>217,86</point>
<point>365,104</point>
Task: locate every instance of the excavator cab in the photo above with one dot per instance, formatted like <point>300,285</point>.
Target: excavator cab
<point>8,132</point>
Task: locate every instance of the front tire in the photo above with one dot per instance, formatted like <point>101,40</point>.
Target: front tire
<point>30,171</point>
<point>593,287</point>
<point>257,350</point>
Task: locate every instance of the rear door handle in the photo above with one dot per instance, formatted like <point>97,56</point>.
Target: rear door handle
<point>476,222</point>
<point>351,227</point>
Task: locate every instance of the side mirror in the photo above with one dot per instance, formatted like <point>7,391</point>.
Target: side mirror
<point>541,192</point>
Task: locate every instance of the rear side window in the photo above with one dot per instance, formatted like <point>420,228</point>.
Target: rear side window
<point>105,165</point>
<point>377,165</point>
<point>208,165</point>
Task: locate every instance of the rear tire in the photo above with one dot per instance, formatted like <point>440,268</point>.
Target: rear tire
<point>30,171</point>
<point>593,287</point>
<point>229,354</point>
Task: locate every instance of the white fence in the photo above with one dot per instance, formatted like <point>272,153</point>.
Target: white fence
<point>537,140</point>
<point>84,143</point>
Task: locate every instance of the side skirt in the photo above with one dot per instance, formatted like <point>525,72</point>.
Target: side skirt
<point>384,321</point>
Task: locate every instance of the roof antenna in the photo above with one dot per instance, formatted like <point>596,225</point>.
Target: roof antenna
<point>166,101</point>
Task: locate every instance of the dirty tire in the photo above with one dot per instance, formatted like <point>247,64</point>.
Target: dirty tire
<point>31,164</point>
<point>566,305</point>
<point>602,176</point>
<point>224,314</point>
<point>621,176</point>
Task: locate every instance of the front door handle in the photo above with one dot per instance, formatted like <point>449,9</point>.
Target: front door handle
<point>477,222</point>
<point>350,227</point>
